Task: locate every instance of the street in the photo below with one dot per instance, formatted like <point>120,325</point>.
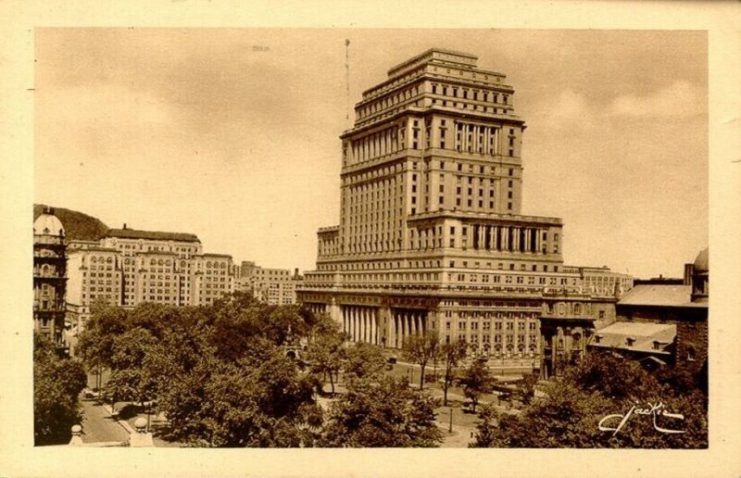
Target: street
<point>98,426</point>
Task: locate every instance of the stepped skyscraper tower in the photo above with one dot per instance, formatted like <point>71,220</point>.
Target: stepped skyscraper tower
<point>431,234</point>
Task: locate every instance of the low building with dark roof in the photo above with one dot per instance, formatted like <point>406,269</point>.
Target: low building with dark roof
<point>127,233</point>
<point>650,343</point>
<point>684,306</point>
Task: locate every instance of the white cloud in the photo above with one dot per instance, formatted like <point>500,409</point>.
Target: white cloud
<point>679,100</point>
<point>569,110</point>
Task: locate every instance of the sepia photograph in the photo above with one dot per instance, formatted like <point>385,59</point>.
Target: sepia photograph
<point>370,238</point>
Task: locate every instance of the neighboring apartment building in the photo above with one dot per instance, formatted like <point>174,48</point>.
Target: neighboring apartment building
<point>271,286</point>
<point>431,235</point>
<point>128,267</point>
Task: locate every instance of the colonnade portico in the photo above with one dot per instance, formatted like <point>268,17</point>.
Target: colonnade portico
<point>361,324</point>
<point>507,238</point>
<point>406,322</point>
<point>384,327</point>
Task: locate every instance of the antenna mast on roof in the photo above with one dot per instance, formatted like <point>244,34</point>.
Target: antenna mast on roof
<point>347,80</point>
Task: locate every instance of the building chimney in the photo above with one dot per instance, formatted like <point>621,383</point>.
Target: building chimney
<point>689,270</point>
<point>124,226</point>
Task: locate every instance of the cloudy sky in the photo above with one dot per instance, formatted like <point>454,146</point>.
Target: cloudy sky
<point>232,134</point>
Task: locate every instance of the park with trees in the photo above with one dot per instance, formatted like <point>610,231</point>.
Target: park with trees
<point>240,373</point>
<point>222,377</point>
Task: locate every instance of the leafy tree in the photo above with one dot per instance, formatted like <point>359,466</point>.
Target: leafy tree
<point>421,349</point>
<point>475,381</point>
<point>486,427</point>
<point>451,354</point>
<point>574,406</point>
<point>382,413</point>
<point>269,406</point>
<point>96,340</point>
<point>325,354</point>
<point>363,361</point>
<point>57,384</point>
<point>131,376</point>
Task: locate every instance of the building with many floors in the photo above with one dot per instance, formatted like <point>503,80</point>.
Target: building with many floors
<point>128,267</point>
<point>431,235</point>
<point>271,286</point>
<point>49,276</point>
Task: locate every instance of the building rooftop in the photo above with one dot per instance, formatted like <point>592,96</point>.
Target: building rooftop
<point>450,56</point>
<point>48,224</point>
<point>702,263</point>
<point>127,233</point>
<point>636,336</point>
<point>660,295</point>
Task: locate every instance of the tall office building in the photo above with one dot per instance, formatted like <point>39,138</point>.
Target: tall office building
<point>49,276</point>
<point>431,234</point>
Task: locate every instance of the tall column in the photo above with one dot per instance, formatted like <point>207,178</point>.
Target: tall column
<point>363,325</point>
<point>392,329</point>
<point>358,324</point>
<point>350,324</point>
<point>374,326</point>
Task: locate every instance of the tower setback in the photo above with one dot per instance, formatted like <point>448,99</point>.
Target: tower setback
<point>431,234</point>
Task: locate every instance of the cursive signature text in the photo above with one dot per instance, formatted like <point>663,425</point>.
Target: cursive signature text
<point>653,410</point>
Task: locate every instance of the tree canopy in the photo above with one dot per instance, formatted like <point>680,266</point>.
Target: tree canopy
<point>602,385</point>
<point>58,382</point>
<point>382,413</point>
<point>421,349</point>
<point>222,376</point>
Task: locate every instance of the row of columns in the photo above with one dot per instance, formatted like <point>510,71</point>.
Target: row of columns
<point>361,324</point>
<point>506,238</point>
<point>406,322</point>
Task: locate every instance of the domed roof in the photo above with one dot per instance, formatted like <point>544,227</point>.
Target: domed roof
<point>701,262</point>
<point>48,224</point>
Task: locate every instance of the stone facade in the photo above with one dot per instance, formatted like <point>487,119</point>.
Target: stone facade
<point>271,286</point>
<point>128,267</point>
<point>431,234</point>
<point>49,276</point>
